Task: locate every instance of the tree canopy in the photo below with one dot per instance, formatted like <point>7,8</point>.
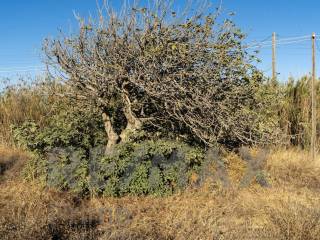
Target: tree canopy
<point>187,74</point>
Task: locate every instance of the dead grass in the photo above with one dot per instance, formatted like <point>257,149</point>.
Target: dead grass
<point>289,209</point>
<point>295,220</point>
<point>11,162</point>
<point>294,168</point>
<point>25,101</point>
<point>31,212</point>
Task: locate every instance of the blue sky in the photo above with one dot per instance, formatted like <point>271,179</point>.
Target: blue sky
<point>24,25</point>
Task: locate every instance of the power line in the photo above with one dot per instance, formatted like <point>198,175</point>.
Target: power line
<point>266,70</point>
<point>23,71</point>
<point>293,38</point>
<point>291,42</point>
<point>279,40</point>
<point>17,70</point>
<point>264,45</point>
<point>20,67</point>
<point>317,46</point>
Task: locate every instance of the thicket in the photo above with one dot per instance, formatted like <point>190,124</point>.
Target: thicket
<point>68,143</point>
<point>68,160</point>
<point>69,154</point>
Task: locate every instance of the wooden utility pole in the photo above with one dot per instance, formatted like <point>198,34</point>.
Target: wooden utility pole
<point>313,100</point>
<point>274,71</point>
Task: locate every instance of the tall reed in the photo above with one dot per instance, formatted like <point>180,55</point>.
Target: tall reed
<point>295,110</point>
<point>29,99</point>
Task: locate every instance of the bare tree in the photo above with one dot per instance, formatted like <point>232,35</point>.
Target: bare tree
<point>186,73</point>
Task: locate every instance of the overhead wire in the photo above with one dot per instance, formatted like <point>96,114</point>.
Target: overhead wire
<point>317,46</point>
<point>265,43</point>
<point>293,38</point>
<point>298,43</point>
<point>280,40</point>
<point>22,69</point>
<point>29,70</point>
<point>285,41</point>
<point>267,70</point>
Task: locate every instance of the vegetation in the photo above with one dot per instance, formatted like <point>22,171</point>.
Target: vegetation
<point>30,99</point>
<point>289,209</point>
<point>144,137</point>
<point>153,69</point>
<point>295,114</point>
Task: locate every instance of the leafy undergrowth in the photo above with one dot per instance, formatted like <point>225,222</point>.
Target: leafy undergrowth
<point>288,209</point>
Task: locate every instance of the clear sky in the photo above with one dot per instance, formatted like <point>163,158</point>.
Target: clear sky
<point>24,25</point>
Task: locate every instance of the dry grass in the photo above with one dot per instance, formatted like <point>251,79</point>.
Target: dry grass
<point>289,209</point>
<point>30,212</point>
<point>294,168</point>
<point>11,162</point>
<point>25,101</point>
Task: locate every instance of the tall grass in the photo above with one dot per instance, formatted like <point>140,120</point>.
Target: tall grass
<point>295,111</point>
<point>30,99</point>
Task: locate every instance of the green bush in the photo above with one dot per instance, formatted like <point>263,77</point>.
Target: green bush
<point>149,167</point>
<point>158,167</point>
<point>61,147</point>
<point>69,155</point>
<point>70,127</point>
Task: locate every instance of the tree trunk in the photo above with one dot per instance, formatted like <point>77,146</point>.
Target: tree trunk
<point>133,123</point>
<point>113,137</point>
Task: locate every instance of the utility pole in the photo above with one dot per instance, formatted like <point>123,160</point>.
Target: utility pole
<point>274,72</point>
<point>313,100</point>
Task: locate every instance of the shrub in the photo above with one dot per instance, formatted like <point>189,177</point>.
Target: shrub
<point>71,127</point>
<point>68,153</point>
<point>71,131</point>
<point>150,167</point>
